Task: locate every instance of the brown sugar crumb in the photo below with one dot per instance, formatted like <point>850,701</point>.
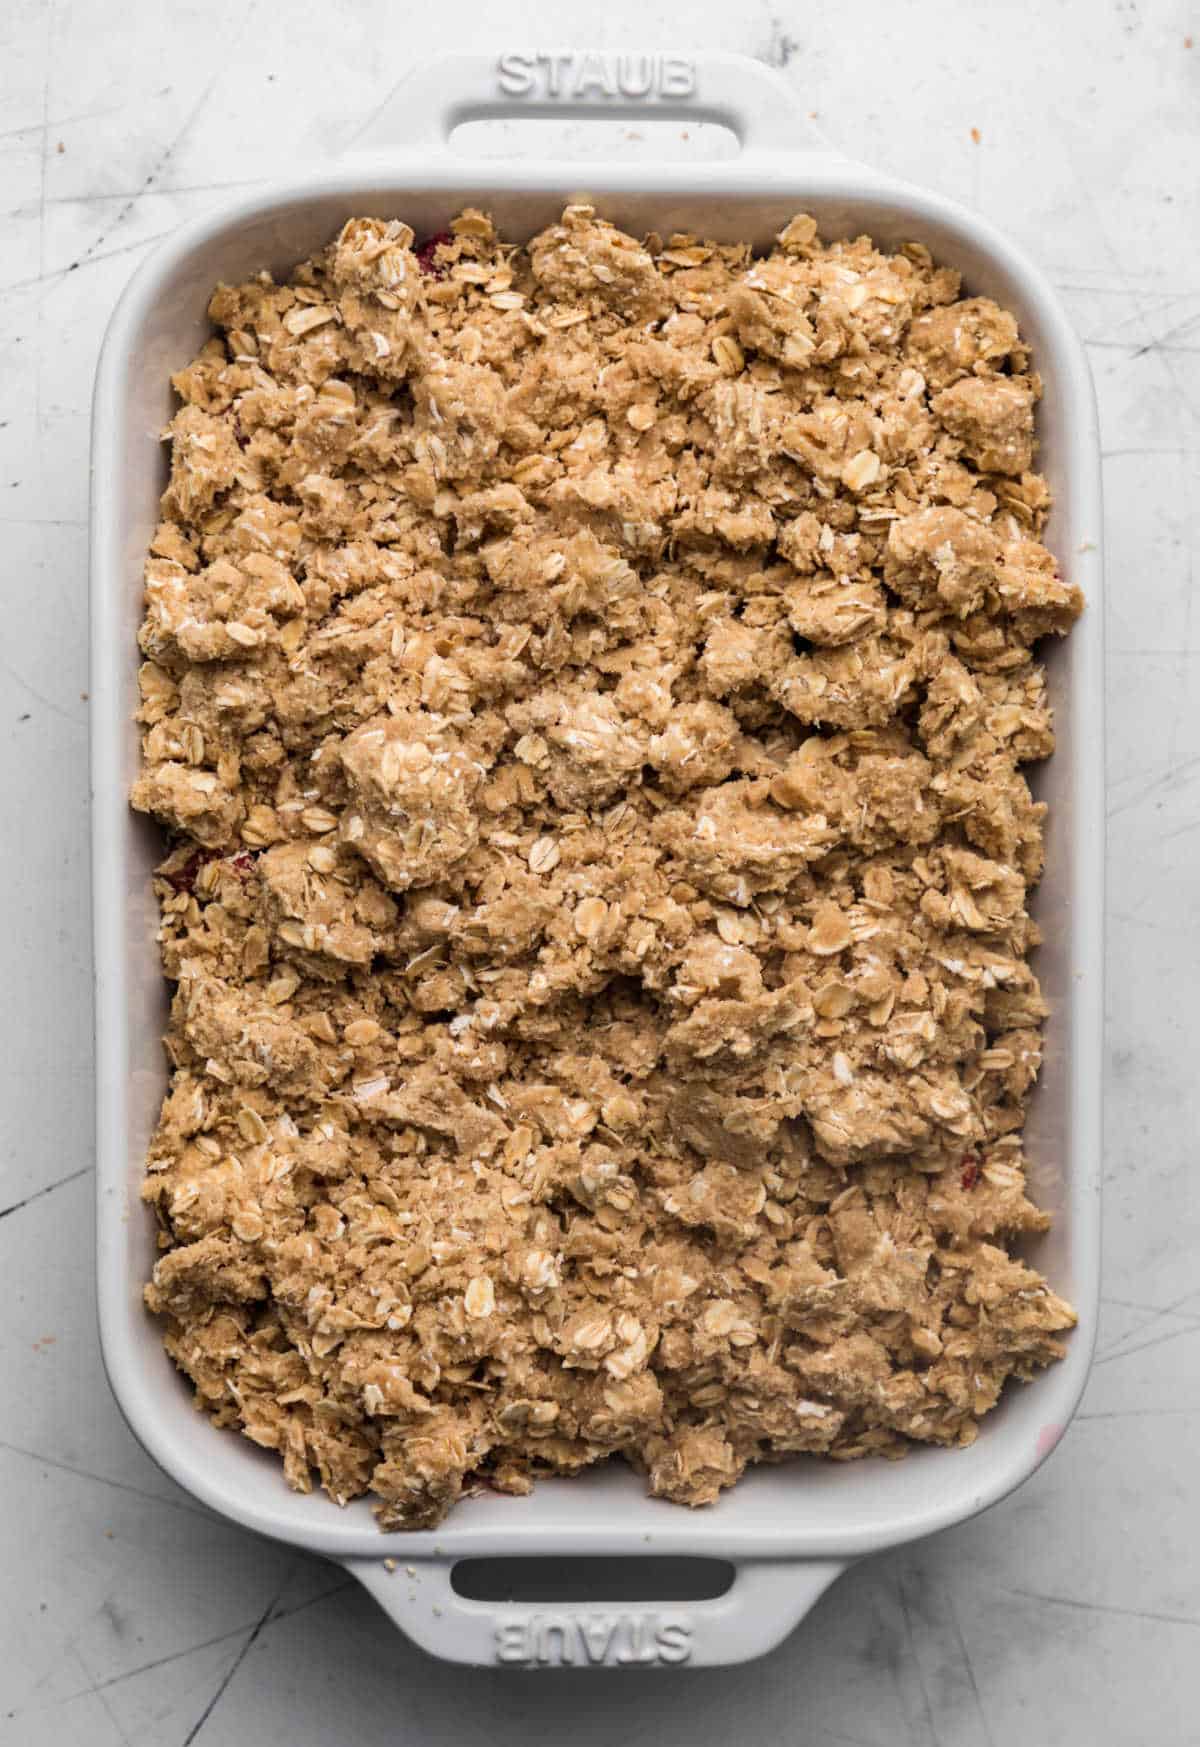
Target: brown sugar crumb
<point>587,686</point>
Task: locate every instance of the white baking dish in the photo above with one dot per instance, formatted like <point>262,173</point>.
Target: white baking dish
<point>788,1530</point>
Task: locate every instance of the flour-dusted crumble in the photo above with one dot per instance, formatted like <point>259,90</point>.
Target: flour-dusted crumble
<point>587,684</point>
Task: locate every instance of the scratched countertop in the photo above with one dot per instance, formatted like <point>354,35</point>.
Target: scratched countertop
<point>1071,1612</point>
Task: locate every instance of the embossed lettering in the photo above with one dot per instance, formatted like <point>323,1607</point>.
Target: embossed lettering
<point>553,65</point>
<point>594,75</point>
<point>674,1641</point>
<point>635,75</point>
<point>554,1643</point>
<point>516,75</point>
<point>596,1636</point>
<point>512,1643</point>
<point>565,1639</point>
<point>641,1646</point>
<point>678,76</point>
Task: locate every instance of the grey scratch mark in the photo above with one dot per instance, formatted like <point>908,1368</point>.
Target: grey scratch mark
<point>20,133</point>
<point>193,1509</point>
<point>1175,1309</point>
<point>1131,919</point>
<point>241,1656</point>
<point>970,1668</point>
<point>37,1194</point>
<point>1170,779</point>
<point>39,319</point>
<point>285,1613</point>
<point>75,1651</point>
<point>338,1588</point>
<point>1134,350</point>
<point>850,1740</point>
<point>1100,1607</point>
<point>1181,674</point>
<point>1171,384</point>
<point>60,122</point>
<point>163,191</point>
<point>931,1729</point>
<point>1134,1304</point>
<point>1159,300</point>
<point>1150,449</point>
<point>1159,344</point>
<point>1150,923</point>
<point>42,522</point>
<point>1166,775</point>
<point>1078,272</point>
<point>47,703</point>
<point>1150,1313</point>
<point>1174,1334</point>
<point>1142,1413</point>
<point>176,140</point>
<point>94,261</point>
<point>158,1662</point>
<point>1162,304</point>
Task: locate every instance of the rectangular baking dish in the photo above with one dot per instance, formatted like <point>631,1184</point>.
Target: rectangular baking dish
<point>788,1530</point>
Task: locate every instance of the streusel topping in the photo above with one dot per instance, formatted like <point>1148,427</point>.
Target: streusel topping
<point>587,684</point>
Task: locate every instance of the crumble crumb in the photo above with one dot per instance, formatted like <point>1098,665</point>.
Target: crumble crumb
<point>587,684</point>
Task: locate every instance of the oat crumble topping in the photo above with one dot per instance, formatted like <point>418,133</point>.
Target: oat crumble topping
<point>587,684</point>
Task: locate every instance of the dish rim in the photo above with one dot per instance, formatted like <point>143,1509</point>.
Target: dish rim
<point>806,180</point>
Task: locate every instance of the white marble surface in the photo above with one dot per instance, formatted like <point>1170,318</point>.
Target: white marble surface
<point>1068,1614</point>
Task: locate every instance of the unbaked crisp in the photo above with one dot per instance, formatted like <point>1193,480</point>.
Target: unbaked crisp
<point>587,684</point>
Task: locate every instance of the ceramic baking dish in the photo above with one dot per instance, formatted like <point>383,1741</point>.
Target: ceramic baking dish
<point>789,1530</point>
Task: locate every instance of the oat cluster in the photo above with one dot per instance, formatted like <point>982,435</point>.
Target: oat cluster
<point>587,684</point>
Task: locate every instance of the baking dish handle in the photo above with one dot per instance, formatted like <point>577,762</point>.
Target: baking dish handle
<point>439,95</point>
<point>767,1599</point>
